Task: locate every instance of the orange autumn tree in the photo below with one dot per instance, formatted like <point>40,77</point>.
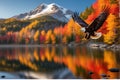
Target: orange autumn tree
<point>67,33</point>
<point>71,32</point>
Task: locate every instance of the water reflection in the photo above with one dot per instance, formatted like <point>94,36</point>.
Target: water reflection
<point>79,60</point>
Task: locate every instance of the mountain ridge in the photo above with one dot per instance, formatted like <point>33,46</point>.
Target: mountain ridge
<point>43,9</point>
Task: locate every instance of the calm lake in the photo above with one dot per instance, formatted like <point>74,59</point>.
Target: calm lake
<point>58,62</point>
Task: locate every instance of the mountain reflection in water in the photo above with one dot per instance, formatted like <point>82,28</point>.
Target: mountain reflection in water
<point>51,60</point>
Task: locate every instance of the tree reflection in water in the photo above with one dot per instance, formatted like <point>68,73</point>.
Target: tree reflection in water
<point>79,60</point>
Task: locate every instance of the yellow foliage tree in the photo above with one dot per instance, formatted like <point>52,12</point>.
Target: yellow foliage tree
<point>74,28</point>
<point>36,36</point>
<point>71,27</point>
<point>111,35</point>
<point>21,33</point>
<point>33,24</point>
<point>48,36</point>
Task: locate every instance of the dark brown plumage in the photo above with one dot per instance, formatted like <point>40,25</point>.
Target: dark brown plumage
<point>90,29</point>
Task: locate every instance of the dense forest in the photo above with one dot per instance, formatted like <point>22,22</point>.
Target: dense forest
<point>47,30</point>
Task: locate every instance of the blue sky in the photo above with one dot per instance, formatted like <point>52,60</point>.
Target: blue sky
<point>9,8</point>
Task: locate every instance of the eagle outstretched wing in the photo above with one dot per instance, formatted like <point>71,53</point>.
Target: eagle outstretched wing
<point>98,22</point>
<point>90,29</point>
<point>78,20</point>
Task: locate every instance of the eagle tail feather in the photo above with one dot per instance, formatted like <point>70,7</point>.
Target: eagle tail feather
<point>96,36</point>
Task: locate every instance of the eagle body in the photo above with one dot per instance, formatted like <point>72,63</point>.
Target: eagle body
<point>91,29</point>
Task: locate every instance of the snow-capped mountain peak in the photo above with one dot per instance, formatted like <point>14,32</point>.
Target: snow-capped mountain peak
<point>43,9</point>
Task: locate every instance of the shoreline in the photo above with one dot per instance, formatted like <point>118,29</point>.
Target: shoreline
<point>104,46</point>
<point>90,45</point>
<point>24,45</point>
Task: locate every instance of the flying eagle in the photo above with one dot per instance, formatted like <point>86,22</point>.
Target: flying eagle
<point>91,29</point>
